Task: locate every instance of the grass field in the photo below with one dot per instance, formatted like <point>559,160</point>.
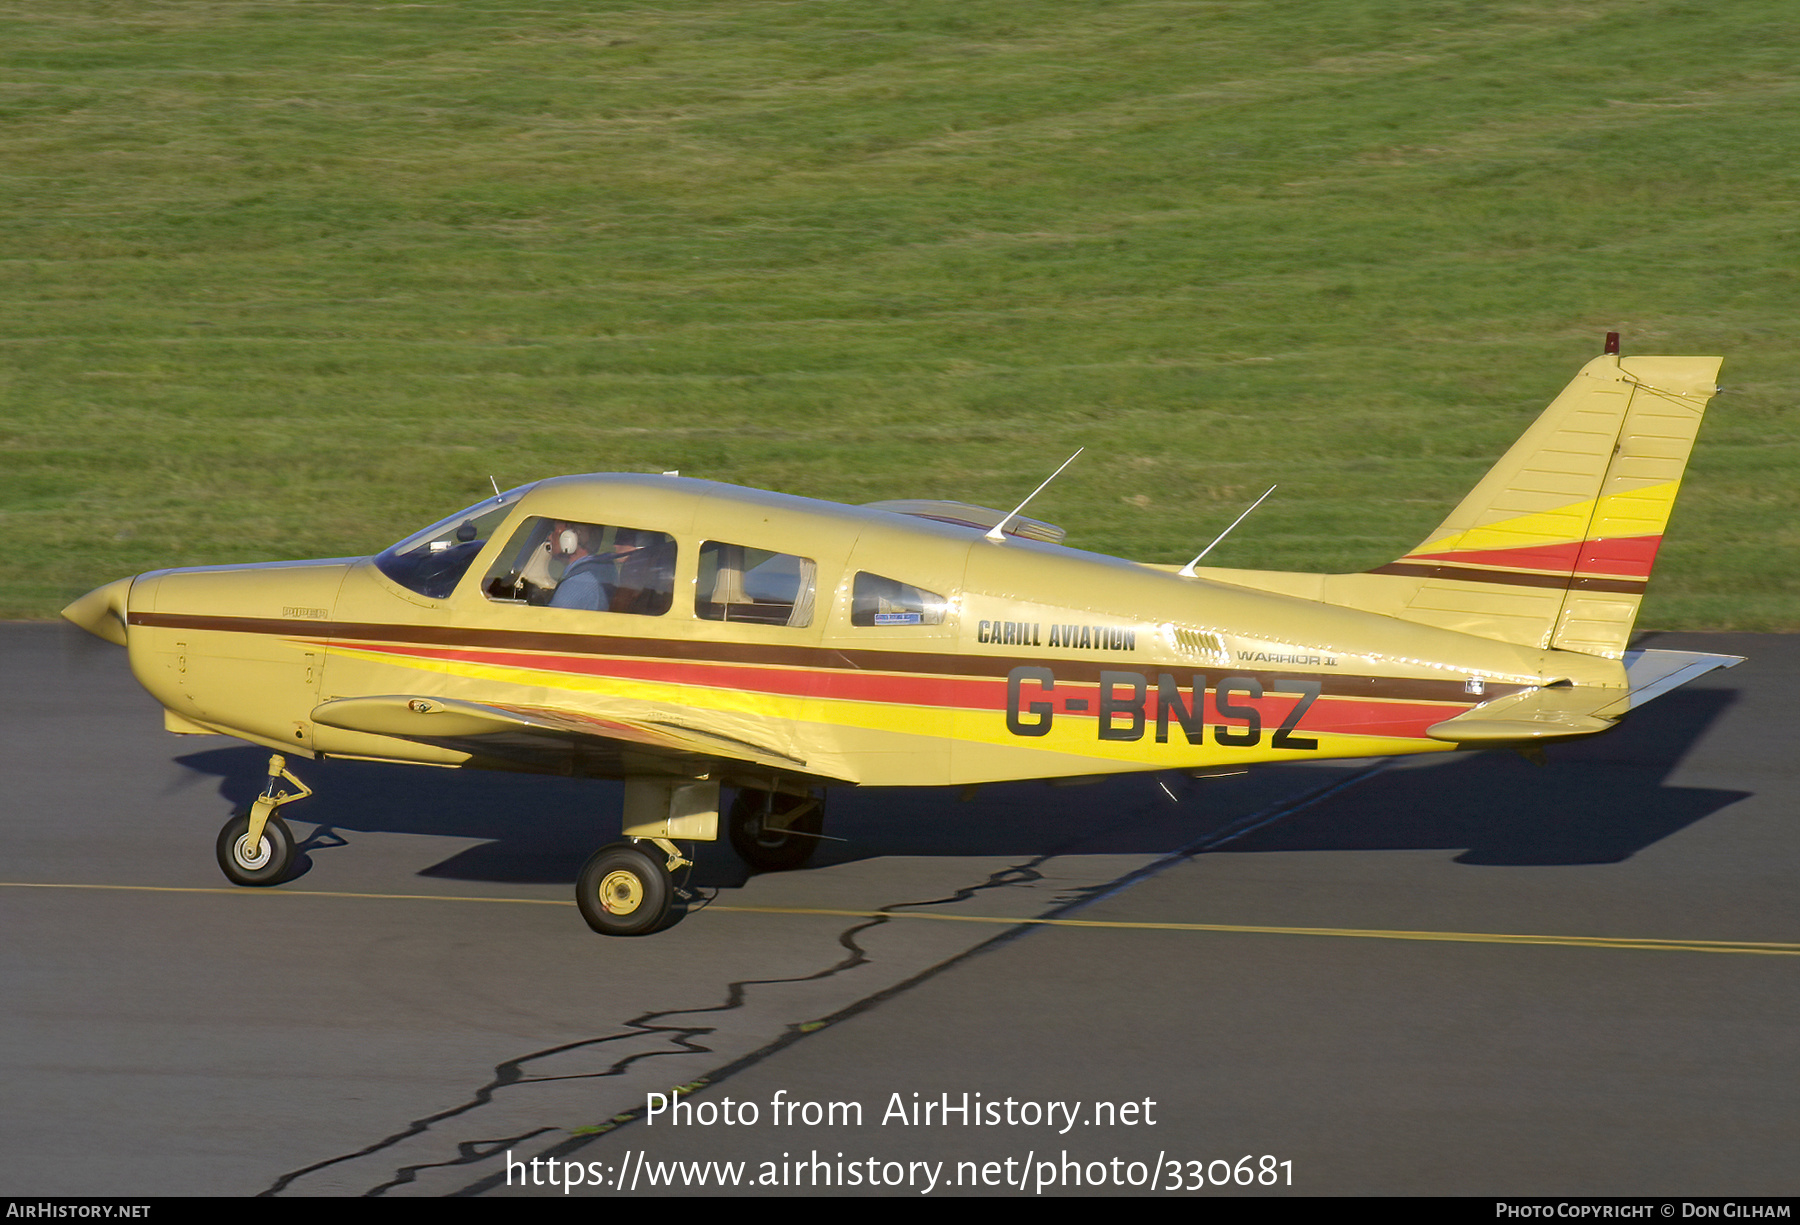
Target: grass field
<point>288,278</point>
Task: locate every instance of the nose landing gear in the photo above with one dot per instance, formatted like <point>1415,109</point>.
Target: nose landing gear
<point>256,847</point>
<point>262,862</point>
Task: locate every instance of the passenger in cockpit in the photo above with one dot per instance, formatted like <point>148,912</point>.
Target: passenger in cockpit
<point>646,573</point>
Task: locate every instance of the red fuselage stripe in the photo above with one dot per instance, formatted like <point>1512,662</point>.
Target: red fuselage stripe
<point>1330,714</point>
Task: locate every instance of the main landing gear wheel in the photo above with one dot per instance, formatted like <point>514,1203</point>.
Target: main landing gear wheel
<point>624,891</point>
<point>774,832</point>
<point>267,862</point>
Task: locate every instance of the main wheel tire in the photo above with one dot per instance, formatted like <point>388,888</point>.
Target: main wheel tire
<point>267,863</point>
<point>623,891</point>
<point>774,850</point>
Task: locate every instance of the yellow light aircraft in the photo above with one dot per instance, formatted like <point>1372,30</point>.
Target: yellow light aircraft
<point>682,635</point>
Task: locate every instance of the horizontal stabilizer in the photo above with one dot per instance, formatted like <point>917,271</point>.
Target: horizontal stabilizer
<point>1653,673</point>
<point>1549,713</point>
<point>1536,714</point>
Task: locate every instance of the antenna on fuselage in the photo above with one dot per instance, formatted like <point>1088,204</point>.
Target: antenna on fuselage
<point>1187,571</point>
<point>496,485</point>
<point>998,531</point>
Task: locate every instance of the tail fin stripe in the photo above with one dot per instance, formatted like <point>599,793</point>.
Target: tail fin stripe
<point>1634,555</point>
<point>1647,504</point>
<point>1515,578</point>
<point>1630,556</point>
<point>1559,558</point>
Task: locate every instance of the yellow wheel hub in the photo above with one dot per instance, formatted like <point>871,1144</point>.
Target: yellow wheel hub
<point>621,892</point>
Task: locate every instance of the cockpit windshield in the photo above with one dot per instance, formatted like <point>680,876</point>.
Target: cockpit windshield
<point>431,562</point>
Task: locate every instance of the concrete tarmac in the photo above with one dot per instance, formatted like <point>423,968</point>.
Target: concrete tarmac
<point>1457,975</point>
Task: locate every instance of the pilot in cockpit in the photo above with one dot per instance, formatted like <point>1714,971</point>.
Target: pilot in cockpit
<point>584,582</point>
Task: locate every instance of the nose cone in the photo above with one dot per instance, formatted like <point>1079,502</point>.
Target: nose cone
<point>101,612</point>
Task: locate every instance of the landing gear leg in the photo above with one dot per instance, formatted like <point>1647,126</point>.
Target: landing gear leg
<point>626,889</point>
<point>256,847</point>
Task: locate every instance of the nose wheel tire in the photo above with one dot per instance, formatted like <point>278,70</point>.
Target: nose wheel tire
<point>266,863</point>
<point>763,844</point>
<point>624,891</point>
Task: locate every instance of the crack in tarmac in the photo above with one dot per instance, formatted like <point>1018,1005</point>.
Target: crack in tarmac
<point>511,1072</point>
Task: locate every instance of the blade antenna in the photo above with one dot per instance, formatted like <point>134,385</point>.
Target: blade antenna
<point>1187,571</point>
<point>998,531</point>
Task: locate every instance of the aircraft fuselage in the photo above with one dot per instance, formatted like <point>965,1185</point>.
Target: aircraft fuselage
<point>1034,661</point>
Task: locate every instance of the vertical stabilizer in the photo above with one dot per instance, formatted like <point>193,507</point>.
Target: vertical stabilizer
<point>1554,546</point>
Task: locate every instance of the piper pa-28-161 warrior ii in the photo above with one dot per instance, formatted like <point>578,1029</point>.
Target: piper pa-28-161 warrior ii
<point>684,635</point>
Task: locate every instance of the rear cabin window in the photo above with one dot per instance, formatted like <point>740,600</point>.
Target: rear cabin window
<point>739,583</point>
<point>878,601</point>
<point>596,567</point>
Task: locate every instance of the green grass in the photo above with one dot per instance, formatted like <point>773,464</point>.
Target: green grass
<point>292,279</point>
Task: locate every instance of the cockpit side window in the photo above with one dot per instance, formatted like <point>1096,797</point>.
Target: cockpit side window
<point>560,563</point>
<point>875,600</point>
<point>739,583</point>
<point>431,562</point>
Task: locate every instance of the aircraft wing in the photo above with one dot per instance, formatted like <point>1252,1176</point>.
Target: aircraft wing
<point>1549,713</point>
<point>528,732</point>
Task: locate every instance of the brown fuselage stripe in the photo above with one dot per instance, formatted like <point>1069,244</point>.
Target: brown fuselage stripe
<point>1513,578</point>
<point>917,663</point>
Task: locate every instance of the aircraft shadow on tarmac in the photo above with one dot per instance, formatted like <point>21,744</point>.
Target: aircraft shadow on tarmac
<point>1596,801</point>
<point>1599,800</point>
